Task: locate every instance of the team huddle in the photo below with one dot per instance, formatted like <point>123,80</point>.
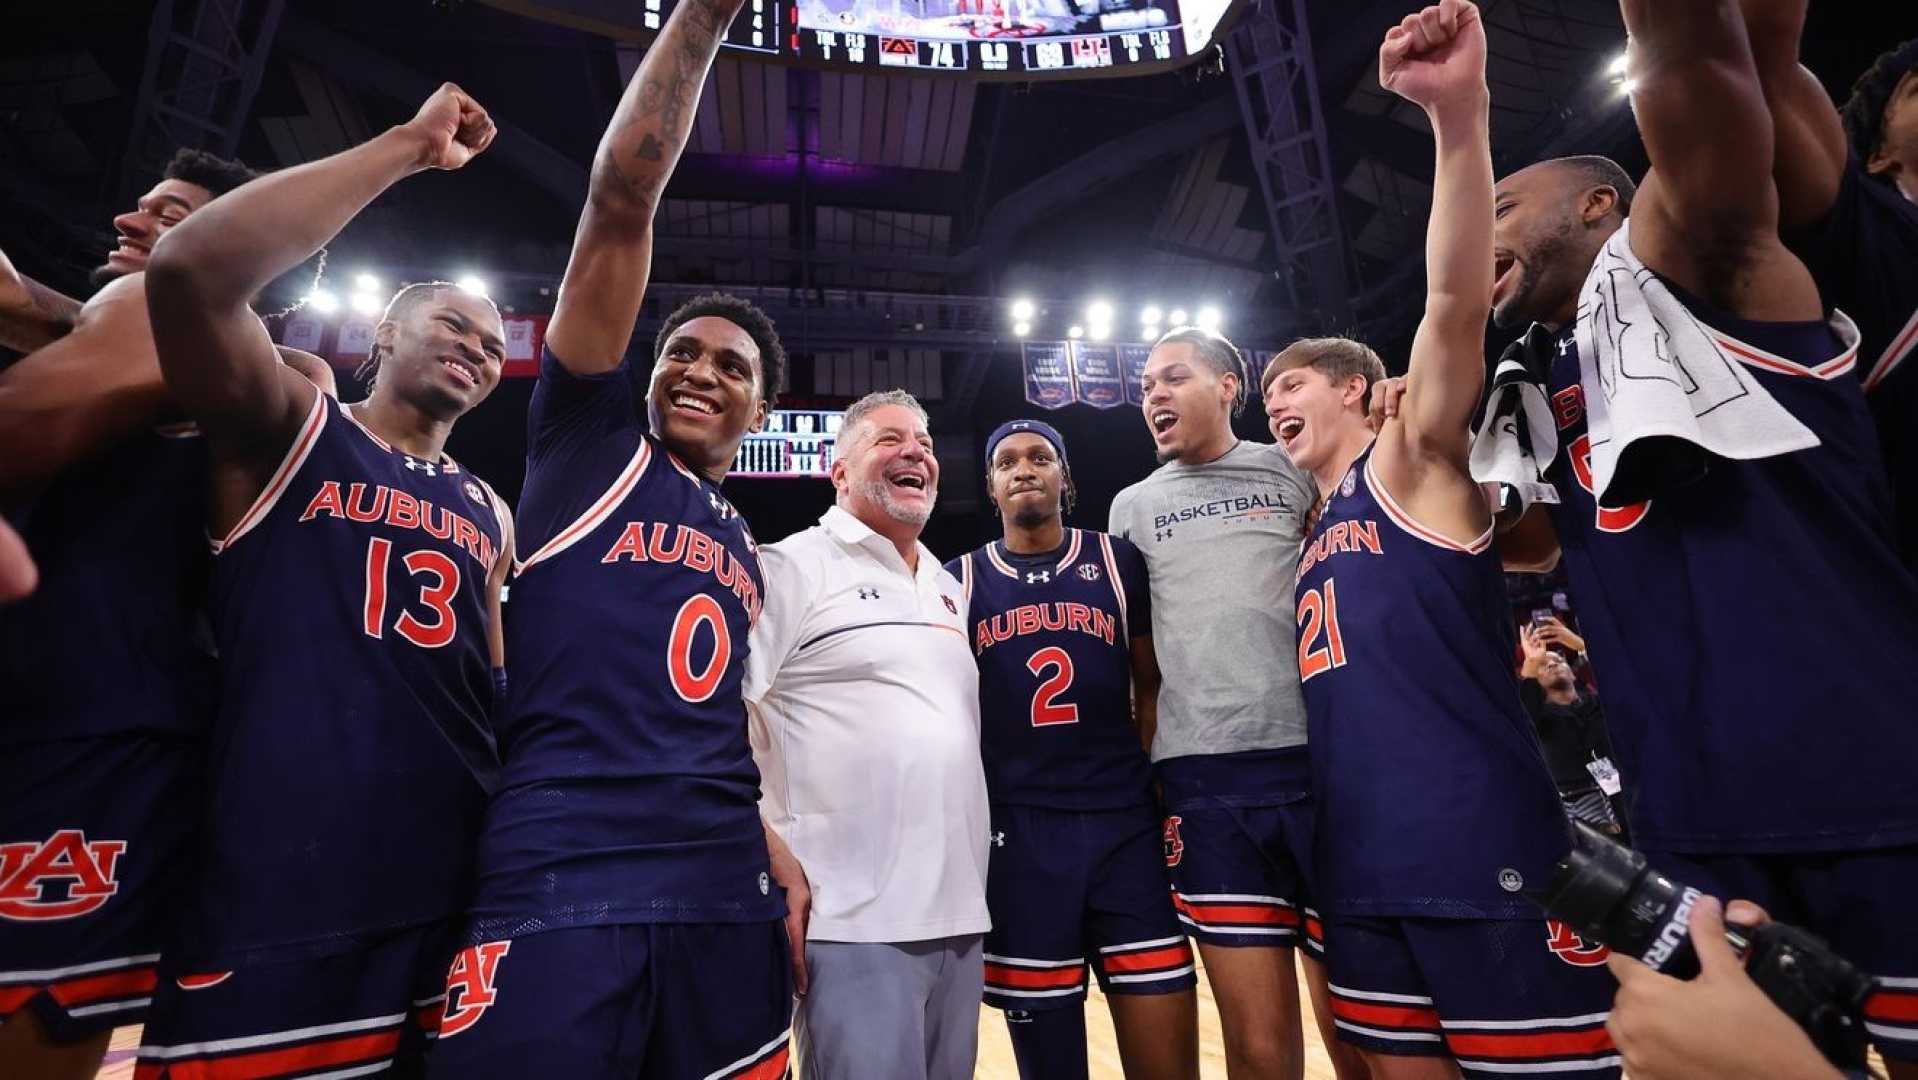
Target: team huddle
<point>291,776</point>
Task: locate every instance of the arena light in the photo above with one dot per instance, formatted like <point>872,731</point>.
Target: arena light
<point>1177,318</point>
<point>1023,310</point>
<point>324,301</point>
<point>366,303</point>
<point>1021,329</point>
<point>1209,319</point>
<point>474,284</point>
<point>1076,331</point>
<point>1150,316</point>
<point>1620,65</point>
<point>1626,86</point>
<point>1099,312</point>
<point>1099,331</point>
<point>367,283</point>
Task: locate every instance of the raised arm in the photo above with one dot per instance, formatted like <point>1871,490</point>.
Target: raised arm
<point>218,360</point>
<point>1808,138</point>
<point>613,249</point>
<point>1706,215</point>
<point>31,315</point>
<point>1436,60</point>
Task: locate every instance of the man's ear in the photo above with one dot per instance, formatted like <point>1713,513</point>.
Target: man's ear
<point>1599,202</point>
<point>1880,162</point>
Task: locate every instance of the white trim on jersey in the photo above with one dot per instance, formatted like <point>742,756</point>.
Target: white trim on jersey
<point>1375,995</point>
<point>749,1058</point>
<point>248,1042</point>
<point>10,978</point>
<point>296,455</point>
<point>1155,943</point>
<point>500,515</point>
<point>1013,961</point>
<point>1065,991</point>
<point>1752,356</point>
<point>965,579</point>
<point>1152,976</point>
<point>111,1006</point>
<point>1118,588</point>
<point>1903,344</point>
<point>680,465</point>
<point>1409,524</point>
<point>598,513</point>
<point>1000,564</point>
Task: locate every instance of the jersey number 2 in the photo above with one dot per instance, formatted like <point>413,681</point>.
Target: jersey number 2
<point>1319,612</point>
<point>438,597</point>
<point>1045,707</point>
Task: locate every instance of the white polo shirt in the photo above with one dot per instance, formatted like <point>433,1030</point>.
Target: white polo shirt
<point>864,705</point>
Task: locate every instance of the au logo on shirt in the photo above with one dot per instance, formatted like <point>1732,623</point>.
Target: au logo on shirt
<point>950,606</point>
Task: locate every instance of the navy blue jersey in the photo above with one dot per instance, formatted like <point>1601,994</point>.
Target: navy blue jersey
<point>1752,633</point>
<point>1433,798</point>
<point>114,640</point>
<point>1864,256</point>
<point>1053,634</point>
<point>630,793</point>
<point>353,739</point>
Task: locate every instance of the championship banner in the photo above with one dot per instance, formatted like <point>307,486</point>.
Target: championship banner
<point>524,335</point>
<point>1132,358</point>
<point>1256,360</point>
<point>302,332</point>
<point>356,338</point>
<point>1048,374</point>
<point>1095,373</point>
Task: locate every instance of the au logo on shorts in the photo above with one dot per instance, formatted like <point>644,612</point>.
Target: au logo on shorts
<point>1571,948</point>
<point>469,985</point>
<point>1174,846</point>
<point>63,878</point>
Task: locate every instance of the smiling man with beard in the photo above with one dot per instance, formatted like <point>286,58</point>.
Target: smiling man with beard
<point>865,719</point>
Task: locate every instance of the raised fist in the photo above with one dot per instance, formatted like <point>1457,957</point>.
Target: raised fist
<point>453,128</point>
<point>1436,55</point>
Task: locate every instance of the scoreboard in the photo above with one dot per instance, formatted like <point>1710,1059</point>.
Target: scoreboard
<point>794,442</point>
<point>980,39</point>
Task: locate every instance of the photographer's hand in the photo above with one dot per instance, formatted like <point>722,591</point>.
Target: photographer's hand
<point>1719,1026</point>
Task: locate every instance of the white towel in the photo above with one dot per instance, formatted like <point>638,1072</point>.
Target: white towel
<point>1651,371</point>
<point>1508,451</point>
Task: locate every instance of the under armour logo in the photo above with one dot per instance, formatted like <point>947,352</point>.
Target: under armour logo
<point>1565,346</point>
<point>1162,534</point>
<point>426,467</point>
<point>1038,577</point>
<point>999,838</point>
<point>720,506</point>
<point>868,594</point>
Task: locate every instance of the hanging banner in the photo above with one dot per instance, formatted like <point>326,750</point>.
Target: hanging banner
<point>302,332</point>
<point>1095,374</point>
<point>356,338</point>
<point>1048,374</point>
<point>1255,362</point>
<point>524,336</point>
<point>1132,360</point>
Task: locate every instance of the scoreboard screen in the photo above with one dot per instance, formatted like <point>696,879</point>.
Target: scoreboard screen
<point>982,39</point>
<point>795,442</point>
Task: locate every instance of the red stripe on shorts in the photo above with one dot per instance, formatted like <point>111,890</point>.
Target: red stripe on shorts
<point>769,1068</point>
<point>1034,978</point>
<point>1218,912</point>
<point>1169,956</point>
<point>1408,1017</point>
<point>1499,1044</point>
<point>113,984</point>
<point>351,1050</point>
<point>1898,1006</point>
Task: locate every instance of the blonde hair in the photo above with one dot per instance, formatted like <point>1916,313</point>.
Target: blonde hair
<point>1337,358</point>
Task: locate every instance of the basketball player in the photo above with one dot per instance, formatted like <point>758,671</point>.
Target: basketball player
<point>1845,207</point>
<point>626,921</point>
<point>1700,604</point>
<point>355,582</point>
<point>1060,621</point>
<point>108,486</point>
<point>1438,965</point>
<point>1219,524</point>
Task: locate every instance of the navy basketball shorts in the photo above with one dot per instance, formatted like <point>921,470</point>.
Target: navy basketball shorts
<point>1498,996</point>
<point>1238,847</point>
<point>1858,901</point>
<point>92,835</point>
<point>1068,889</point>
<point>373,1009</point>
<point>677,1000</point>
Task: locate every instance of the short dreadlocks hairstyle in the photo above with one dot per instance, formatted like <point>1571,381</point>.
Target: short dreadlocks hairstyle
<point>402,304</point>
<point>210,171</point>
<point>1864,111</point>
<point>746,316</point>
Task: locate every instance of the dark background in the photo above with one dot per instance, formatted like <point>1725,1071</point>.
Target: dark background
<point>836,188</point>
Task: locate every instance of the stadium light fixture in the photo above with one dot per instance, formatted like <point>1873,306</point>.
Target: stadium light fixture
<point>1076,331</point>
<point>1620,65</point>
<point>1021,329</point>
<point>324,301</point>
<point>1209,319</point>
<point>1023,310</point>
<point>1099,312</point>
<point>474,284</point>
<point>367,283</point>
<point>1177,318</point>
<point>366,303</point>
<point>1150,316</point>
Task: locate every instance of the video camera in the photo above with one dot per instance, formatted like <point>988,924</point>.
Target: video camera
<point>1610,894</point>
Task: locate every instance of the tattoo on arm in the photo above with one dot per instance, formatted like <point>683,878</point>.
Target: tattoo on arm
<point>662,107</point>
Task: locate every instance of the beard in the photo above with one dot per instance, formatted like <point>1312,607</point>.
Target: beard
<point>1524,307</point>
<point>1031,517</point>
<point>880,492</point>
